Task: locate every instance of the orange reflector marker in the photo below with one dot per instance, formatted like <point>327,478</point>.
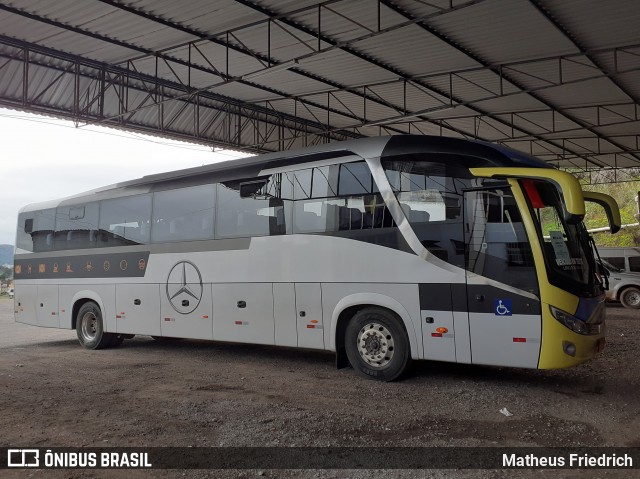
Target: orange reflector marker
<point>205,317</point>
<point>436,335</point>
<point>314,321</point>
<point>519,340</point>
<point>442,330</point>
<point>311,326</point>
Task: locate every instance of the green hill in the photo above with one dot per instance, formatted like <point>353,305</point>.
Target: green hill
<point>6,254</point>
<point>624,194</point>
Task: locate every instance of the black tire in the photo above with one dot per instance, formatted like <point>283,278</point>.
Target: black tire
<point>377,345</point>
<point>630,297</point>
<point>90,328</point>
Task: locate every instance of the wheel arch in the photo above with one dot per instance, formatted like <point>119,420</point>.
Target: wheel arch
<point>80,299</point>
<point>348,306</point>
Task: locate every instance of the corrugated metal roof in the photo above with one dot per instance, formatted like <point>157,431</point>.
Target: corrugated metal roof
<point>503,31</point>
<point>560,79</point>
<point>596,23</point>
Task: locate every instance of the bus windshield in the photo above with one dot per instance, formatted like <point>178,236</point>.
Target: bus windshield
<point>566,246</point>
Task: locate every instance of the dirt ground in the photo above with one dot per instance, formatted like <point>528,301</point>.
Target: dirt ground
<point>196,393</point>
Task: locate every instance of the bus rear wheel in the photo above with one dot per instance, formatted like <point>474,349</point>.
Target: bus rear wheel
<point>630,297</point>
<point>90,328</point>
<point>377,345</point>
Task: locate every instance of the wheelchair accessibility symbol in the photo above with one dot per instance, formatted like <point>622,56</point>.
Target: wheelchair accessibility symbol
<point>502,307</point>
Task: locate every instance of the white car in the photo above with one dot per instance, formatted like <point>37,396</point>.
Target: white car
<point>623,286</point>
<point>11,293</point>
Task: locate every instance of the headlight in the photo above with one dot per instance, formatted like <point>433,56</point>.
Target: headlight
<point>574,324</point>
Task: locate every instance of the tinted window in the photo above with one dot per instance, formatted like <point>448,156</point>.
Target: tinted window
<point>25,228</point>
<point>316,216</point>
<point>76,226</point>
<point>125,221</point>
<point>286,181</point>
<point>617,261</point>
<point>496,242</point>
<point>302,184</point>
<point>325,182</point>
<point>183,214</point>
<point>43,228</point>
<point>341,214</point>
<point>242,217</point>
<point>355,179</point>
<point>634,263</point>
<point>427,192</point>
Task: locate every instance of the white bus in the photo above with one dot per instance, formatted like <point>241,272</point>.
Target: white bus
<point>383,250</point>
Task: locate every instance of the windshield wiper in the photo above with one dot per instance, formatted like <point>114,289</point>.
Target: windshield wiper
<point>594,248</point>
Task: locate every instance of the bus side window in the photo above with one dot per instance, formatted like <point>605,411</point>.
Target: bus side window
<point>184,214</point>
<point>74,226</point>
<point>317,216</point>
<point>355,179</point>
<point>260,215</point>
<point>43,228</point>
<point>124,218</point>
<point>24,238</point>
<point>341,214</point>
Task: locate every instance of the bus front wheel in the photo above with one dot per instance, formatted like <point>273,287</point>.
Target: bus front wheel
<point>630,297</point>
<point>377,345</point>
<point>90,328</point>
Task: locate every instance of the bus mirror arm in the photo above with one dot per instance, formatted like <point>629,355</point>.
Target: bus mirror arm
<point>572,219</point>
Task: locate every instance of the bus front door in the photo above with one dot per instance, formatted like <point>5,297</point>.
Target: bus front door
<point>502,288</point>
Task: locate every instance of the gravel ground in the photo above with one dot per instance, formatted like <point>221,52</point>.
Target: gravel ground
<point>195,393</point>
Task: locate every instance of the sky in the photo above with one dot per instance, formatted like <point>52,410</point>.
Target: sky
<point>42,158</point>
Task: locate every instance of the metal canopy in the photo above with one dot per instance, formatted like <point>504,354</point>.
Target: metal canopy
<point>559,80</point>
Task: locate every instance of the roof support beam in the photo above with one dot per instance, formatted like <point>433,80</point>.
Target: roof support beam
<point>429,29</point>
<point>168,60</point>
<point>402,75</point>
<point>271,62</point>
<point>572,38</point>
<point>131,93</point>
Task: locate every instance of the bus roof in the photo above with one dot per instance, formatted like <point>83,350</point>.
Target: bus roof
<point>252,166</point>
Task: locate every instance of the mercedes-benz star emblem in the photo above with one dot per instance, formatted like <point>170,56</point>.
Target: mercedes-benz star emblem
<point>184,287</point>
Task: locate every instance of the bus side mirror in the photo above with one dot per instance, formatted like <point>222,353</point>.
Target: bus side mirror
<point>610,208</point>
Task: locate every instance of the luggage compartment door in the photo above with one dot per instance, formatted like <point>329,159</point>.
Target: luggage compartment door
<point>138,309</point>
<point>243,313</point>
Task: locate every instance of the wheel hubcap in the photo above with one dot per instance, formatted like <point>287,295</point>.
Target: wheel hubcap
<point>633,298</point>
<point>89,327</point>
<point>375,344</point>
